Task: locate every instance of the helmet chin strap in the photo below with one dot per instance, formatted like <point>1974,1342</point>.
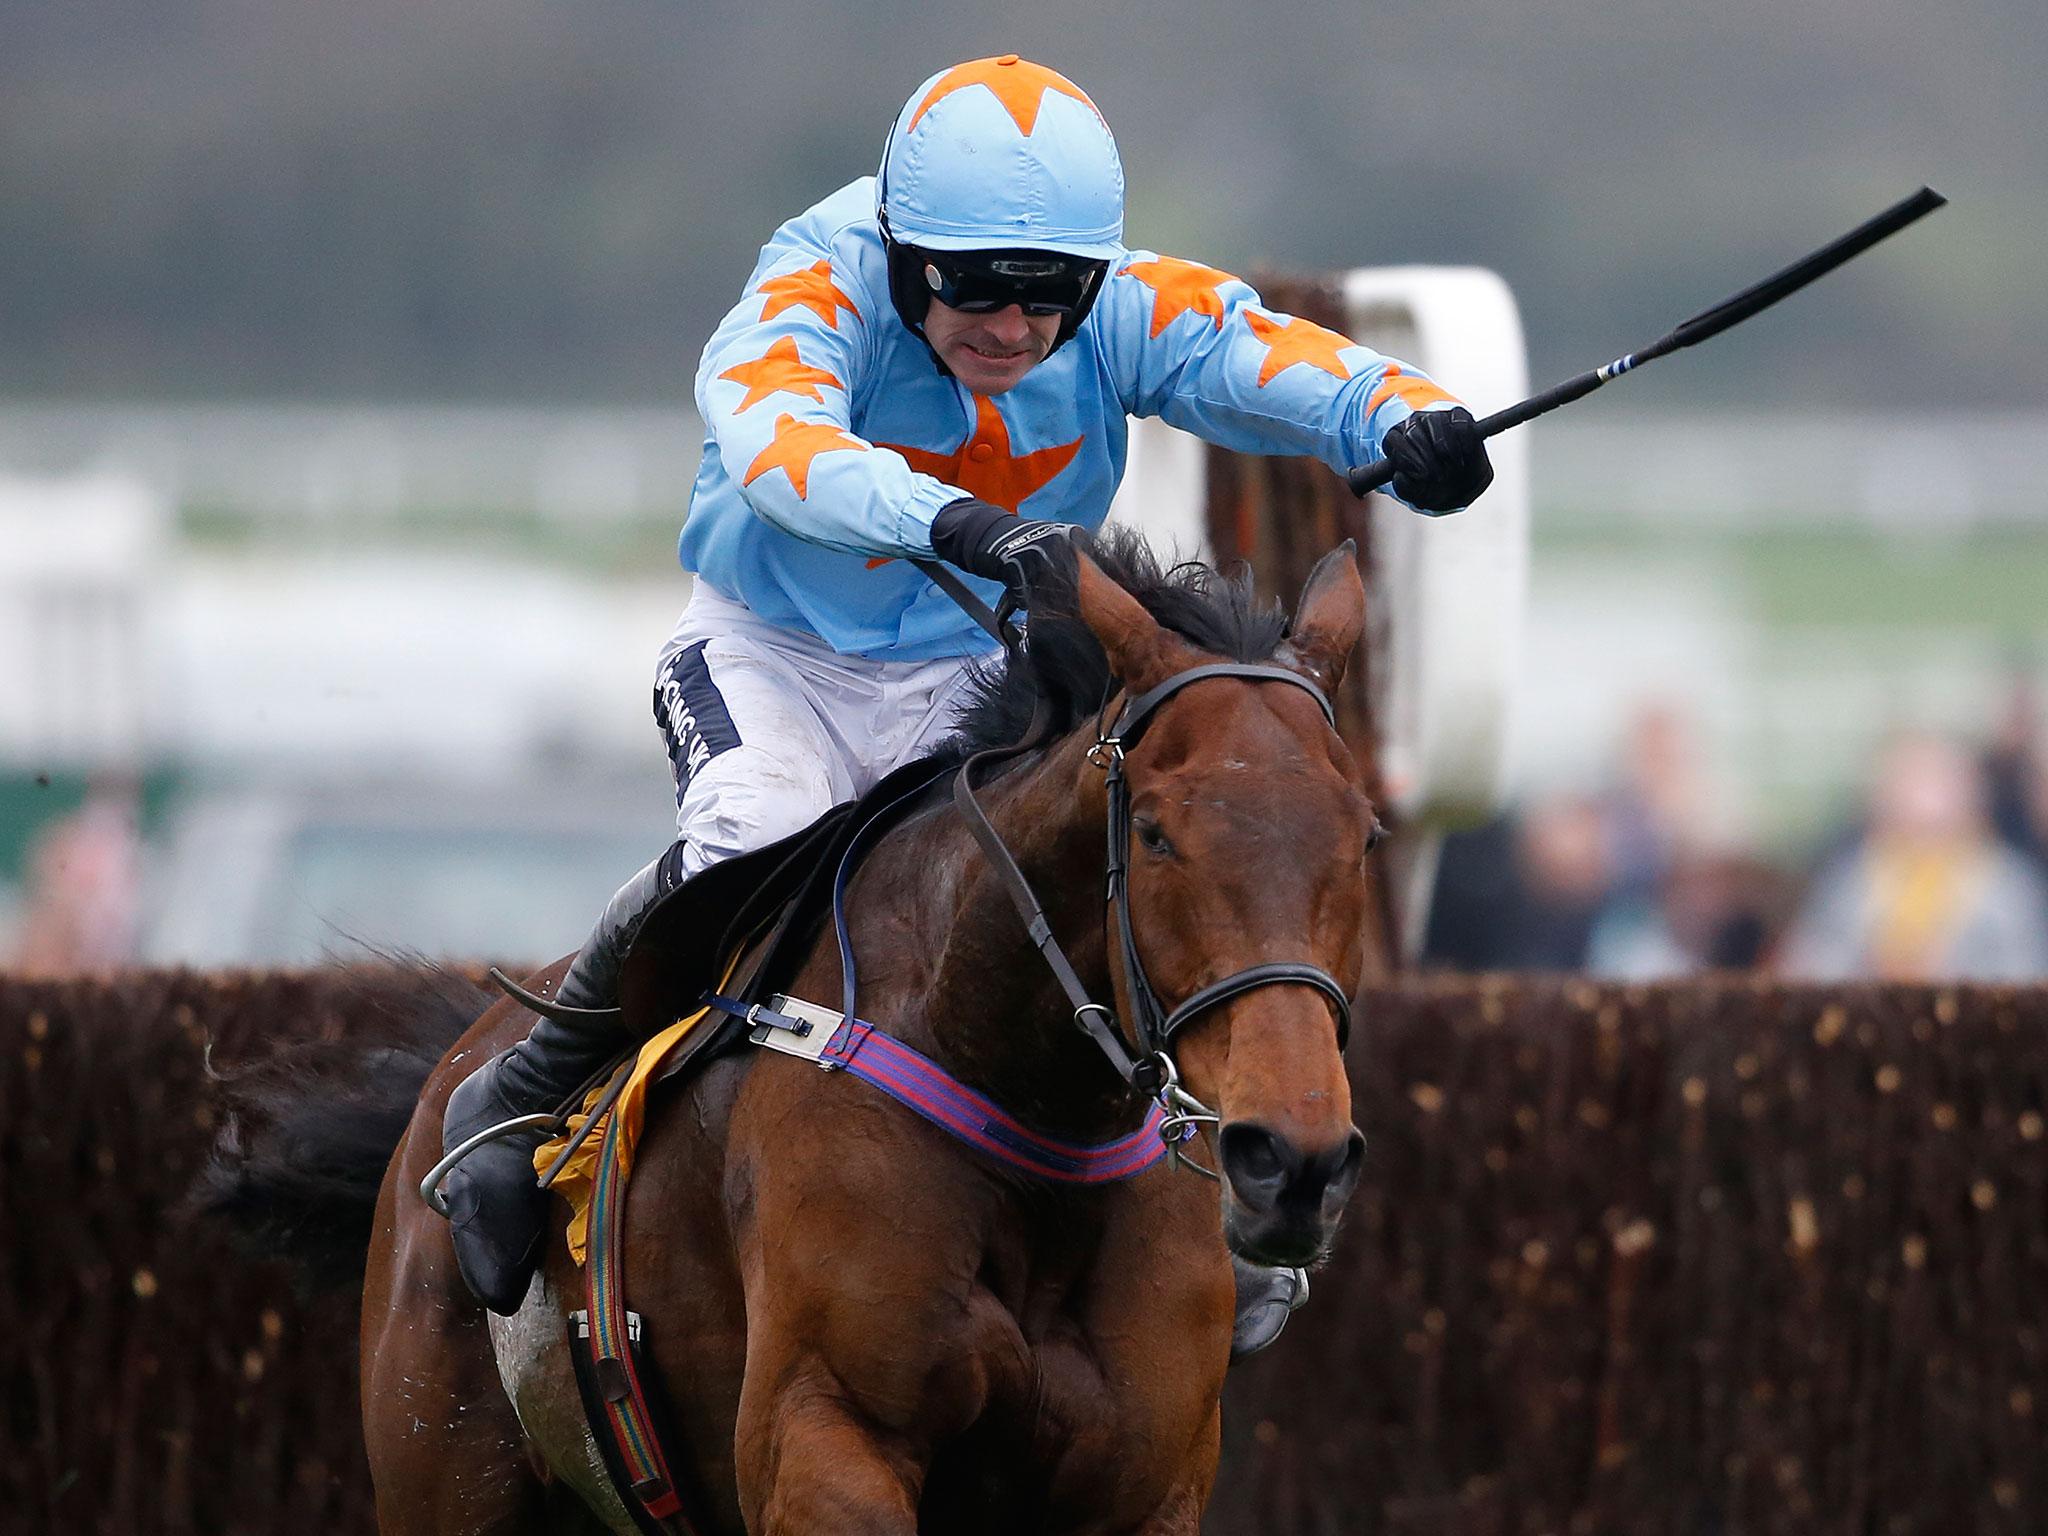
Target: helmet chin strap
<point>913,301</point>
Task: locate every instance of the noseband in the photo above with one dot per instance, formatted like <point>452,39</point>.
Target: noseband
<point>1145,1061</point>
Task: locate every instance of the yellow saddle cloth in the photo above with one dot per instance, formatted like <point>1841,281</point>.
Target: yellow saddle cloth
<point>577,1182</point>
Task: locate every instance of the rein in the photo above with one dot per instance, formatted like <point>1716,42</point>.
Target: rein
<point>1145,1060</point>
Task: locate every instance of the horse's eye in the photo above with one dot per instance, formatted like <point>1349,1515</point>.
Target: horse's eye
<point>1150,837</point>
<point>1376,836</point>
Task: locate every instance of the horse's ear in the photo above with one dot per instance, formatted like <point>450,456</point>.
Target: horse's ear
<point>1329,618</point>
<point>1141,650</point>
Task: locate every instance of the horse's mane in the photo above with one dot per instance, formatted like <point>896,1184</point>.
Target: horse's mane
<point>1214,612</point>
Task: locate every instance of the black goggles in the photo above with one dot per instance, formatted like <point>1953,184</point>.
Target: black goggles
<point>981,283</point>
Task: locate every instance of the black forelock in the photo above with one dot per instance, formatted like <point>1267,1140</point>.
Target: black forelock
<point>1065,664</point>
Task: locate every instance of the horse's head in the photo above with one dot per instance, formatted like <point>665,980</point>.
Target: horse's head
<point>1249,830</point>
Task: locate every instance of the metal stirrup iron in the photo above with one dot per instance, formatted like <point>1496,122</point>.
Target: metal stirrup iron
<point>430,1186</point>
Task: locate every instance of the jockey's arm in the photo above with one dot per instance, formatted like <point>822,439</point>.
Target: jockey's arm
<point>1197,348</point>
<point>774,388</point>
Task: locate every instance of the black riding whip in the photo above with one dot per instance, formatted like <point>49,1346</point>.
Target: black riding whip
<point>1708,322</point>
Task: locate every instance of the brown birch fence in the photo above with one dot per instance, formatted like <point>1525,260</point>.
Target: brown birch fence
<point>1715,1257</point>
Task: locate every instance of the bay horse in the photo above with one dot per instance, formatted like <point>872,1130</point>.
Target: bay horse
<point>863,1325</point>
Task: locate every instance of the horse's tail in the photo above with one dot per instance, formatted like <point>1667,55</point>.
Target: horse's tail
<point>309,1131</point>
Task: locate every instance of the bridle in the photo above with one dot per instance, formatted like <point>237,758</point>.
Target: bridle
<point>1145,1062</point>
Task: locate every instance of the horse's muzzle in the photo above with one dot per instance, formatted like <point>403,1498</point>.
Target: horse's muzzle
<point>1281,1202</point>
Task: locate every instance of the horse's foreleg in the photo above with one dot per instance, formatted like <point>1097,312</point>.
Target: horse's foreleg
<point>810,1463</point>
<point>1180,1512</point>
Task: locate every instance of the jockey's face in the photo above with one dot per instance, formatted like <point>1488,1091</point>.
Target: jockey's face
<point>991,352</point>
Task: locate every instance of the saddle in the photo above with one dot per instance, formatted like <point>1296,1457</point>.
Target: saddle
<point>771,902</point>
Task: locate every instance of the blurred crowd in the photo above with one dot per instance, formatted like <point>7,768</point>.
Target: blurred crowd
<point>82,885</point>
<point>1941,872</point>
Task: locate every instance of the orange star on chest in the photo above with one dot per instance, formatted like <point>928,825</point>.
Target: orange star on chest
<point>793,447</point>
<point>1179,288</point>
<point>781,369</point>
<point>1017,83</point>
<point>1397,385</point>
<point>813,288</point>
<point>984,466</point>
<point>1298,341</point>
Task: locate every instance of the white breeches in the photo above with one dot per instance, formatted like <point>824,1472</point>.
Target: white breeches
<point>767,729</point>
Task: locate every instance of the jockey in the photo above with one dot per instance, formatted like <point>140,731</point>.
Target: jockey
<point>939,361</point>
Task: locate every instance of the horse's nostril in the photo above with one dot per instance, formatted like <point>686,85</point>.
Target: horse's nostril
<point>1256,1161</point>
<point>1267,1172</point>
<point>1349,1165</point>
<point>1260,1166</point>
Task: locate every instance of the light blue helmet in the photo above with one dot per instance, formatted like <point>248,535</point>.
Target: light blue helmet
<point>1002,153</point>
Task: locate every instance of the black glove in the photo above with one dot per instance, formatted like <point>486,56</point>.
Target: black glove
<point>1439,460</point>
<point>1017,551</point>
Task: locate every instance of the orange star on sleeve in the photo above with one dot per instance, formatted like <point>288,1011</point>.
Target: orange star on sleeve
<point>1179,288</point>
<point>813,288</point>
<point>1298,341</point>
<point>1405,386</point>
<point>779,370</point>
<point>1017,83</point>
<point>793,447</point>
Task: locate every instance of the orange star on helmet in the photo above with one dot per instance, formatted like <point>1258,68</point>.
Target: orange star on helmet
<point>1298,341</point>
<point>1396,385</point>
<point>793,447</point>
<point>1179,288</point>
<point>1017,83</point>
<point>779,370</point>
<point>813,288</point>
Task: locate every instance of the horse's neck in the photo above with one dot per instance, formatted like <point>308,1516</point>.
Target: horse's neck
<point>987,1005</point>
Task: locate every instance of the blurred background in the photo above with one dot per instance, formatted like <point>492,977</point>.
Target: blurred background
<point>346,426</point>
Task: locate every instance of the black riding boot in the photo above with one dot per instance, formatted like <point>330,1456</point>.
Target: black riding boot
<point>498,1209</point>
<point>1265,1300</point>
